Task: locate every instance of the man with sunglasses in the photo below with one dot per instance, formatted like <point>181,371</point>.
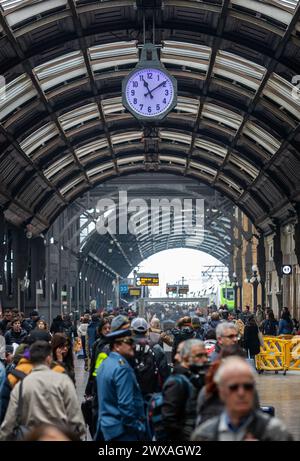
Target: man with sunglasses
<point>227,335</point>
<point>121,404</point>
<point>239,420</point>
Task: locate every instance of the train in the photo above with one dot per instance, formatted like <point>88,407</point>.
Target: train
<point>224,295</point>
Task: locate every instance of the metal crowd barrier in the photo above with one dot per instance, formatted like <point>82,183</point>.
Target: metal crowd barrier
<point>280,353</point>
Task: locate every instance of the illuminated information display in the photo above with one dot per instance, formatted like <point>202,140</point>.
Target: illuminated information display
<point>134,292</point>
<point>171,289</point>
<point>147,280</point>
<point>183,289</point>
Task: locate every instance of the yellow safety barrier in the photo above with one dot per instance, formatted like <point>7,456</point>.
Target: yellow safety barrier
<point>285,336</point>
<point>272,355</point>
<point>293,354</point>
<point>280,353</point>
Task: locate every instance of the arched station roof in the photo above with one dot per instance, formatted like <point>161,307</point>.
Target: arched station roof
<point>63,129</point>
<point>120,253</point>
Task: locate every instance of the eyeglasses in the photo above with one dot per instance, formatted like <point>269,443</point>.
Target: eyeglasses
<point>230,336</point>
<point>246,386</point>
<point>201,355</point>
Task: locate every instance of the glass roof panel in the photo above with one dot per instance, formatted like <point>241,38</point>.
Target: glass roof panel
<point>230,183</point>
<point>93,146</point>
<point>244,165</point>
<point>113,54</point>
<point>186,54</point>
<point>262,137</point>
<point>39,138</point>
<point>189,105</point>
<point>281,92</point>
<point>112,105</point>
<point>79,116</point>
<point>17,92</point>
<point>128,160</point>
<point>239,69</point>
<point>57,166</point>
<point>20,10</point>
<point>204,168</point>
<point>99,168</point>
<point>222,115</point>
<point>60,70</point>
<point>126,137</point>
<point>211,147</point>
<point>172,159</point>
<point>276,10</point>
<point>175,136</point>
<point>70,185</point>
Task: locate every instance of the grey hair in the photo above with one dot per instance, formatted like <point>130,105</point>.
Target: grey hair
<point>233,363</point>
<point>187,346</point>
<point>221,327</point>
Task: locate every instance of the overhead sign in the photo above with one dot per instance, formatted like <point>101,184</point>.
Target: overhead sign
<point>171,288</point>
<point>147,280</point>
<point>124,289</point>
<point>287,269</point>
<point>134,292</point>
<point>183,289</point>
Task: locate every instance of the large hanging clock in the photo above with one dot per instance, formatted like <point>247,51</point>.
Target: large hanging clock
<point>149,91</point>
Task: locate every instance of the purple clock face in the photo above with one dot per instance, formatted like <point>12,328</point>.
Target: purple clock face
<point>149,92</point>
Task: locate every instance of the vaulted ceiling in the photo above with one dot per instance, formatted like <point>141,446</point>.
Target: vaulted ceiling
<point>63,129</point>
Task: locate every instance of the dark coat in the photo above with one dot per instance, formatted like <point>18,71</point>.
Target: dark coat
<point>179,407</point>
<point>181,334</point>
<point>251,340</point>
<point>92,334</point>
<point>208,406</point>
<point>26,326</point>
<point>285,327</point>
<point>57,326</point>
<point>160,361</point>
<point>269,327</point>
<point>263,427</point>
<point>40,335</point>
<point>13,337</point>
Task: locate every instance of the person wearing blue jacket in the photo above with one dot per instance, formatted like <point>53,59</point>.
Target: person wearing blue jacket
<point>92,332</point>
<point>121,405</point>
<point>285,324</point>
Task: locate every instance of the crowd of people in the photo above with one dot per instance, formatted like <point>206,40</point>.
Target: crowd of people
<point>179,374</point>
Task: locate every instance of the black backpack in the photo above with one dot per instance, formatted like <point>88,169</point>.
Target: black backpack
<point>146,368</point>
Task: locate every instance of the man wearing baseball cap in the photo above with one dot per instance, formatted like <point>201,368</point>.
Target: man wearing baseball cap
<point>121,405</point>
<point>120,322</point>
<point>150,362</point>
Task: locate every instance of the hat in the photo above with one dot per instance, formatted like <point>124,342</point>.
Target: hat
<point>139,325</point>
<point>195,321</point>
<point>114,335</point>
<point>33,313</point>
<point>118,322</point>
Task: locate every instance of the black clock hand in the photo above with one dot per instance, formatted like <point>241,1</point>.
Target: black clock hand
<point>161,84</point>
<point>146,84</point>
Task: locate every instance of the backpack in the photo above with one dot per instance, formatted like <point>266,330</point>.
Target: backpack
<point>146,368</point>
<point>68,331</point>
<point>6,391</point>
<point>154,422</point>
